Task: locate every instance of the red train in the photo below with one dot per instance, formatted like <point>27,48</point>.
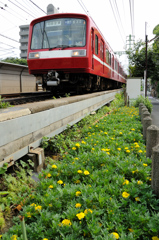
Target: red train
<point>67,51</point>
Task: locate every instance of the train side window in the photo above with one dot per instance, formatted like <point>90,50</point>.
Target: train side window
<point>107,56</point>
<point>110,59</point>
<point>96,44</point>
<point>116,65</point>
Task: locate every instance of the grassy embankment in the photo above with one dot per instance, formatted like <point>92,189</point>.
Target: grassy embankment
<point>99,188</point>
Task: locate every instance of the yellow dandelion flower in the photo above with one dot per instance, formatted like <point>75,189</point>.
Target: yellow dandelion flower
<point>79,171</point>
<point>28,214</point>
<point>76,158</point>
<point>137,199</point>
<point>83,142</point>
<point>119,149</point>
<point>45,239</point>
<point>14,237</point>
<point>77,181</point>
<point>155,238</point>
<point>120,133</point>
<point>78,193</point>
<point>115,235</point>
<point>54,166</point>
<point>130,229</point>
<point>93,149</point>
<point>60,182</point>
<point>78,205</point>
<point>126,182</point>
<point>145,165</point>
<point>38,208</point>
<point>128,151</point>
<point>74,148</point>
<point>139,182</point>
<point>48,175</point>
<point>77,145</point>
<point>87,210</point>
<point>51,186</point>
<point>86,172</point>
<point>80,215</point>
<point>125,195</point>
<point>33,205</point>
<point>140,151</point>
<point>66,222</point>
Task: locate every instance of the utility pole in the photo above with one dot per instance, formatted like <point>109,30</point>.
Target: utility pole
<point>146,59</point>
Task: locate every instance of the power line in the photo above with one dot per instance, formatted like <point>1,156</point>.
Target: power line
<point>31,6</point>
<point>26,8</point>
<point>17,16</point>
<point>9,38</point>
<point>119,17</point>
<point>8,45</point>
<point>37,6</point>
<point>116,22</point>
<point>21,8</point>
<point>83,7</point>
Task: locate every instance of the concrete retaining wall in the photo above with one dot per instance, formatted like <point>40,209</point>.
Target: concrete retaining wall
<point>23,128</point>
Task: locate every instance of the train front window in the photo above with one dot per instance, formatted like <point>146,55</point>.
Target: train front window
<point>61,32</point>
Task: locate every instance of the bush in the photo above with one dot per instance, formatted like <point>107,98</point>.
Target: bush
<point>145,101</point>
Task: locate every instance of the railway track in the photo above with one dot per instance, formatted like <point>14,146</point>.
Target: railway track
<point>16,99</point>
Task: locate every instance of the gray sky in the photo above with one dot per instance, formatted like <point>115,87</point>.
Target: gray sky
<point>115,18</point>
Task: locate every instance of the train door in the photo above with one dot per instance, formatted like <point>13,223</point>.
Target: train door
<point>113,66</point>
<point>102,55</point>
<point>92,47</point>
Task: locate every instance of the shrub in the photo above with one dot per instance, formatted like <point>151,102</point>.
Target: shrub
<point>145,101</point>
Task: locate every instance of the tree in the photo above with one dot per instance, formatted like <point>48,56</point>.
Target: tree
<point>19,61</point>
<point>137,60</point>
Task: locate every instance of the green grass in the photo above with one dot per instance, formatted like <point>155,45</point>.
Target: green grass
<point>100,187</point>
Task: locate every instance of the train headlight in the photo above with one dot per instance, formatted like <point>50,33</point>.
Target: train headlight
<point>34,55</point>
<point>79,53</point>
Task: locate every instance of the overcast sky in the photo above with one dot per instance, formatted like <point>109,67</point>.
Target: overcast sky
<point>115,18</point>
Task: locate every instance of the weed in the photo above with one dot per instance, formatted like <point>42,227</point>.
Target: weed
<point>4,104</point>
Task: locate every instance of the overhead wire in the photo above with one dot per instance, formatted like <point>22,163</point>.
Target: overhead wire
<point>8,45</point>
<point>21,8</point>
<point>117,10</point>
<point>13,12</point>
<point>36,10</point>
<point>17,16</point>
<point>83,6</point>
<point>26,8</point>
<point>116,22</point>
<point>37,6</point>
<point>9,38</point>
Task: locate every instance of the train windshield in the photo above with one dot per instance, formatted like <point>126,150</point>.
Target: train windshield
<point>61,32</point>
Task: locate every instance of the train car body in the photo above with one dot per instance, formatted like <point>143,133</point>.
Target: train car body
<point>68,51</point>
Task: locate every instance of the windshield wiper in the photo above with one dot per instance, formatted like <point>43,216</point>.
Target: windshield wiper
<point>63,46</point>
<point>47,38</point>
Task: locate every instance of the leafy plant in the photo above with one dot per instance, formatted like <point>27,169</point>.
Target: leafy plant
<point>145,101</point>
<point>4,168</point>
<point>4,104</point>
